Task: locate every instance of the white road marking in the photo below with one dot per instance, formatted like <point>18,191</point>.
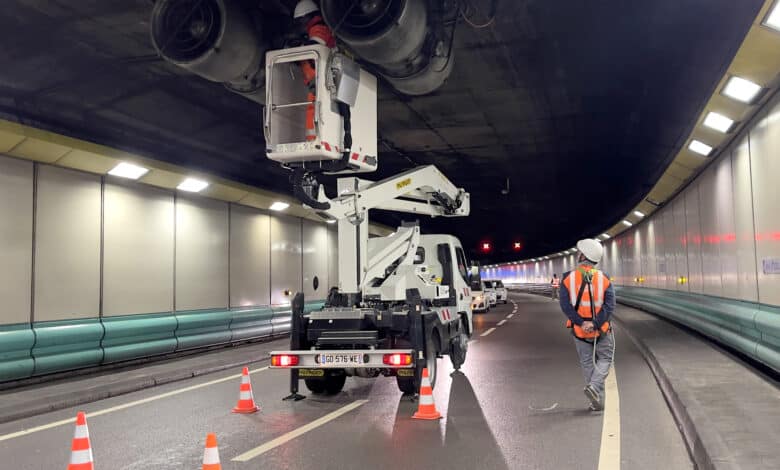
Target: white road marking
<point>488,332</point>
<point>284,438</point>
<point>131,404</point>
<point>609,455</point>
<point>510,316</point>
<point>501,323</point>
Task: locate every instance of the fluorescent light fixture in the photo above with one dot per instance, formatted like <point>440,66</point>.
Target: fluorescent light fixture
<point>128,170</point>
<point>605,236</point>
<point>718,122</point>
<point>330,221</point>
<point>279,206</point>
<point>639,214</point>
<point>741,89</point>
<point>700,147</point>
<point>192,185</point>
<point>627,223</point>
<point>773,19</point>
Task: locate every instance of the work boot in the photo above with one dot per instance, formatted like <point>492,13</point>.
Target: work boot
<point>595,398</point>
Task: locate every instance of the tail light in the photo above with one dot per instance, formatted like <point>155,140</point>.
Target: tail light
<point>284,360</point>
<point>401,359</point>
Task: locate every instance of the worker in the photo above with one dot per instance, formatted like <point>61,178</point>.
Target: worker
<point>556,285</point>
<point>588,300</point>
<point>308,19</point>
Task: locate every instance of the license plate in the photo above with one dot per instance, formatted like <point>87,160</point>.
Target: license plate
<point>339,360</point>
<point>405,372</point>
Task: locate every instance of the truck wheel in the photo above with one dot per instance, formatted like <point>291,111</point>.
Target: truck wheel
<point>411,385</point>
<point>334,383</point>
<point>406,385</point>
<point>459,346</point>
<point>315,386</point>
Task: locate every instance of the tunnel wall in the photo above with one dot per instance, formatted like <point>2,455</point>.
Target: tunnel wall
<point>710,257</point>
<point>96,270</point>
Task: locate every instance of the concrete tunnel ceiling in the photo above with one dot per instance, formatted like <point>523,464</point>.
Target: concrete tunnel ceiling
<point>581,104</point>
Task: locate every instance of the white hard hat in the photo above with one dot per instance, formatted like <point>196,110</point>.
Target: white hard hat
<point>304,7</point>
<point>591,249</point>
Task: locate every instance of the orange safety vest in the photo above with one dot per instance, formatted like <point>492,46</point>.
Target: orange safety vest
<point>556,282</point>
<point>589,306</point>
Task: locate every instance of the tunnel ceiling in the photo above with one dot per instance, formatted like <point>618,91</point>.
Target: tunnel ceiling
<point>580,103</point>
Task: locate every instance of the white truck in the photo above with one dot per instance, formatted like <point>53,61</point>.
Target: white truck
<point>402,301</point>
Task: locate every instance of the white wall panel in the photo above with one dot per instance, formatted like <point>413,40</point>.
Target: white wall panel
<point>16,207</point>
<point>250,257</point>
<point>710,240</point>
<point>680,242</point>
<point>743,221</point>
<point>285,258</point>
<point>650,268</point>
<point>67,245</point>
<point>693,238</point>
<point>315,260</point>
<point>201,253</point>
<point>726,236</point>
<point>764,149</point>
<point>138,254</point>
<point>659,232</point>
<point>333,259</point>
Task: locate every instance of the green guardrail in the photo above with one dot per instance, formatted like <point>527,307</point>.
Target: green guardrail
<point>28,350</point>
<point>749,327</point>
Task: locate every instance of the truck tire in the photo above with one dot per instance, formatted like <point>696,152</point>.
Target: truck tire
<point>334,383</point>
<point>411,385</point>
<point>315,386</point>
<point>459,346</point>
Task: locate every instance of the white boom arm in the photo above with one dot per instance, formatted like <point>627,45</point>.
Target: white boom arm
<point>424,190</point>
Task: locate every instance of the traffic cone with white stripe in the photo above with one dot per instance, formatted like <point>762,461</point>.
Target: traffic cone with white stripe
<point>80,449</point>
<point>426,408</point>
<point>246,401</point>
<point>211,453</point>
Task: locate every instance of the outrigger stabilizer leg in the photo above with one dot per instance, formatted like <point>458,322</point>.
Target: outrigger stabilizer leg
<point>295,344</point>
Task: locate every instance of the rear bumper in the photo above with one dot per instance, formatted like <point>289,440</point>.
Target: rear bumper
<point>368,359</point>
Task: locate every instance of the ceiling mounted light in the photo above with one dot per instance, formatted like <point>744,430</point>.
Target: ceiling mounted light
<point>700,147</point>
<point>627,223</point>
<point>773,18</point>
<point>718,122</point>
<point>605,236</point>
<point>639,214</point>
<point>128,170</point>
<point>192,185</point>
<point>279,206</point>
<point>741,89</point>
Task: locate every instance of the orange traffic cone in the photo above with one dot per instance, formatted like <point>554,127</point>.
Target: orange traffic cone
<point>80,449</point>
<point>246,401</point>
<point>426,409</point>
<point>211,453</point>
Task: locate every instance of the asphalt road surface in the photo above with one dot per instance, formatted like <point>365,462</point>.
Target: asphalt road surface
<point>517,404</point>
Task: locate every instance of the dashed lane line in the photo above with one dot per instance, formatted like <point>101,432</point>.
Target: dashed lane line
<point>284,438</point>
<point>510,316</point>
<point>488,332</point>
<point>501,323</point>
<point>124,406</point>
<point>609,454</point>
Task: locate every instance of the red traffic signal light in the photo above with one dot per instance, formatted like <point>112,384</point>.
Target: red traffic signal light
<point>486,247</point>
<point>517,246</point>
